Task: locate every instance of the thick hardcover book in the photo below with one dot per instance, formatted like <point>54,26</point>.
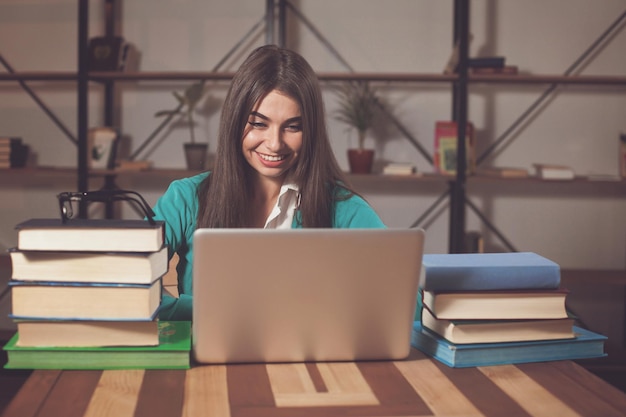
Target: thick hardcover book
<point>75,333</point>
<point>584,345</point>
<point>488,271</point>
<point>445,157</point>
<point>498,305</point>
<point>111,267</point>
<point>172,352</point>
<point>554,172</point>
<point>497,331</point>
<point>90,235</point>
<point>77,301</point>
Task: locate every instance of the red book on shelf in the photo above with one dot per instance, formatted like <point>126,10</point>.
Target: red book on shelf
<point>446,147</point>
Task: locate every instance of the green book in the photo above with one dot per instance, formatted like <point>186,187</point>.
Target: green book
<point>173,352</point>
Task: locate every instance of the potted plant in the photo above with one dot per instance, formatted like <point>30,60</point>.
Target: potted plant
<point>195,153</point>
<point>357,107</point>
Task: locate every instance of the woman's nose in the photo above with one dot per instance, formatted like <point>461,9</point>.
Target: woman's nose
<point>274,140</point>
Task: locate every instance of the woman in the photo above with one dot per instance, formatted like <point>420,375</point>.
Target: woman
<point>274,167</point>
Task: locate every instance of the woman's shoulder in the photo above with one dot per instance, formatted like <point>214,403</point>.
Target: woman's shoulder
<point>352,210</point>
<point>188,184</point>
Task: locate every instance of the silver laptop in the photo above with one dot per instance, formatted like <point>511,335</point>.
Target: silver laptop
<point>304,295</point>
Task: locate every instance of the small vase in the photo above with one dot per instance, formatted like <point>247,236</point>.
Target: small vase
<point>196,155</point>
<point>361,160</point>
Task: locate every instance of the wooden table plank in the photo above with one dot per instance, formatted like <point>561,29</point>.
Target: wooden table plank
<point>391,387</point>
<point>248,385</point>
<point>483,393</point>
<point>439,393</point>
<point>71,394</point>
<point>116,394</point>
<point>32,394</point>
<point>529,394</point>
<point>591,383</point>
<point>206,392</point>
<point>162,394</point>
<point>577,396</point>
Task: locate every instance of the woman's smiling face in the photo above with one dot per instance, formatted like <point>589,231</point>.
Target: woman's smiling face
<point>273,136</point>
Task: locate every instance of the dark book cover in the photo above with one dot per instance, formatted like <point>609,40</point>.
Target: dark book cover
<point>489,61</point>
<point>51,223</point>
<point>105,53</point>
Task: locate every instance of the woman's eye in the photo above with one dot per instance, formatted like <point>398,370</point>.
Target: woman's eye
<point>294,128</point>
<point>256,125</point>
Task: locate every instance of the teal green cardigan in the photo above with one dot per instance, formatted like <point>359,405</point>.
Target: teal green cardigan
<point>178,208</point>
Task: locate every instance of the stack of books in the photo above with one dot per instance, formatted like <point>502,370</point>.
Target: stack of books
<point>492,308</point>
<point>90,288</point>
<point>13,152</point>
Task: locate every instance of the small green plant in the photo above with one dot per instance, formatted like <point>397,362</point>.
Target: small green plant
<point>357,106</point>
<point>186,105</point>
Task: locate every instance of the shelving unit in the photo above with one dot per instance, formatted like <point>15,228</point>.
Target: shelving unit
<point>276,13</point>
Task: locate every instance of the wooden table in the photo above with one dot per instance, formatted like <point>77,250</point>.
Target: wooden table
<point>418,386</point>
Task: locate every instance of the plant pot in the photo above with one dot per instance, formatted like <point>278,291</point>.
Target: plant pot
<point>196,155</point>
<point>361,160</point>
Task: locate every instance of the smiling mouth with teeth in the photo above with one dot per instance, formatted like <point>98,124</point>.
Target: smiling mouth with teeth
<point>272,158</point>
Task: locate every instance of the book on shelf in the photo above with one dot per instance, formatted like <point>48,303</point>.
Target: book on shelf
<point>78,301</point>
<point>554,172</point>
<point>399,168</point>
<point>445,147</point>
<point>82,333</point>
<point>503,172</point>
<point>487,62</point>
<point>13,152</point>
<point>100,235</point>
<point>488,271</point>
<point>68,266</point>
<point>172,352</point>
<point>106,53</point>
<point>497,331</point>
<point>504,70</point>
<point>496,305</point>
<point>584,345</point>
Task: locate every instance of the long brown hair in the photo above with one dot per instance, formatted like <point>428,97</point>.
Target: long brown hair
<point>225,195</point>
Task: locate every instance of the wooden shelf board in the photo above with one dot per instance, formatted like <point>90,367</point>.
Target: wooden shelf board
<point>180,173</point>
<point>330,76</point>
<point>549,79</point>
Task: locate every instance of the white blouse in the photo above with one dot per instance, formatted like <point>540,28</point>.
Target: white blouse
<point>281,216</point>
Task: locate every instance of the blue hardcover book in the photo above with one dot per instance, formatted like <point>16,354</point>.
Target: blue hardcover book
<point>488,271</point>
<point>585,345</point>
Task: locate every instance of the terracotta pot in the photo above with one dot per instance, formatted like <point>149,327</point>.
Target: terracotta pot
<point>361,160</point>
<point>196,155</point>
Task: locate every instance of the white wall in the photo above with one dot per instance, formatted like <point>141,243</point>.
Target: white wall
<point>578,226</point>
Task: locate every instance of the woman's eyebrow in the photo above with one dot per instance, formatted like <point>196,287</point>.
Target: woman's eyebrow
<point>260,115</point>
<point>297,119</point>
